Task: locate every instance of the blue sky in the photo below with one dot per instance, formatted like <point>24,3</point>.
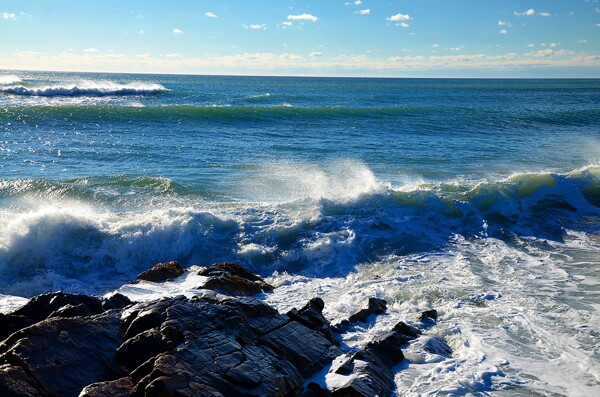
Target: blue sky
<point>464,38</point>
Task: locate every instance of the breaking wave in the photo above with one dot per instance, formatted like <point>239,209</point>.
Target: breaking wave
<point>82,88</point>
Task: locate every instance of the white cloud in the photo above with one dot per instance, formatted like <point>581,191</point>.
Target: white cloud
<point>501,23</point>
<point>141,32</point>
<point>256,26</point>
<point>503,31</point>
<point>9,15</point>
<point>358,2</point>
<point>303,17</point>
<point>553,45</point>
<point>286,24</point>
<point>435,45</point>
<point>283,64</point>
<point>211,14</point>
<point>174,56</point>
<point>583,41</point>
<point>177,31</point>
<point>598,24</point>
<point>530,45</point>
<point>404,24</point>
<point>527,13</point>
<point>365,12</point>
<point>91,50</point>
<point>315,54</point>
<point>399,17</point>
<point>545,14</point>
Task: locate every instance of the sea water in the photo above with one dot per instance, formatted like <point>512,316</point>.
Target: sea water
<point>479,198</point>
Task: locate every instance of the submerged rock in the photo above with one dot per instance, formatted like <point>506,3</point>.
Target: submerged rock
<point>162,272</point>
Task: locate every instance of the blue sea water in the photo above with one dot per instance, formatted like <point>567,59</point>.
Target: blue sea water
<point>478,197</point>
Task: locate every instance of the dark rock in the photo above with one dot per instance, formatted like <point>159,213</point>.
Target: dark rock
<point>142,347</point>
<point>311,315</point>
<point>162,272</point>
<point>232,279</point>
<point>15,382</point>
<point>370,377</point>
<point>115,301</point>
<point>63,355</point>
<point>429,315</point>
<point>438,346</point>
<point>231,268</point>
<point>43,306</point>
<point>315,390</point>
<point>373,306</point>
<point>113,388</point>
<point>406,330</point>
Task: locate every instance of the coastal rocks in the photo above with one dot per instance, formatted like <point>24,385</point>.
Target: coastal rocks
<point>368,371</point>
<point>57,304</point>
<point>60,356</point>
<point>162,272</point>
<point>373,306</point>
<point>232,279</point>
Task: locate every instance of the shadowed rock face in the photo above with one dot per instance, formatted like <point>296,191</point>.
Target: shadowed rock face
<point>76,345</point>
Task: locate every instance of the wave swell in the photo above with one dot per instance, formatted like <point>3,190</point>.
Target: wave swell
<point>83,88</point>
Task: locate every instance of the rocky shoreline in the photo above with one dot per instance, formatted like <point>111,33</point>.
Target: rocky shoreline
<point>224,343</point>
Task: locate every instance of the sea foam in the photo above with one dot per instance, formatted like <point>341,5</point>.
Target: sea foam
<point>83,88</point>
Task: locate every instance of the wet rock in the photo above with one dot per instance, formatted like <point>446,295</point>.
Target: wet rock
<point>429,316</point>
<point>435,345</point>
<point>115,301</point>
<point>232,279</point>
<point>315,390</point>
<point>44,306</point>
<point>311,315</point>
<point>373,306</point>
<point>15,382</point>
<point>162,272</point>
<point>63,355</point>
<point>113,388</point>
<point>368,372</point>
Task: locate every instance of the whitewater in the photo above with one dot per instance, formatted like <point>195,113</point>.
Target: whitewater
<point>479,198</point>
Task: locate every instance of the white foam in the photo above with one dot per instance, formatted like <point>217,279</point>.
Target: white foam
<point>9,79</point>
<point>85,88</point>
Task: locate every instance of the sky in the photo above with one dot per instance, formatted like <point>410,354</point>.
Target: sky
<point>400,38</point>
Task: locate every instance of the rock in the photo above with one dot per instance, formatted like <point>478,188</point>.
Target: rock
<point>429,315</point>
<point>315,390</point>
<point>437,346</point>
<point>15,382</point>
<point>162,272</point>
<point>374,306</point>
<point>113,388</point>
<point>63,355</point>
<point>232,279</point>
<point>115,301</point>
<point>311,315</point>
<point>368,372</point>
<point>43,306</point>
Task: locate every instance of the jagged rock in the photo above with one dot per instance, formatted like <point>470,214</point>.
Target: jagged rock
<point>15,382</point>
<point>368,372</point>
<point>162,272</point>
<point>373,306</point>
<point>115,301</point>
<point>43,306</point>
<point>311,315</point>
<point>113,388</point>
<point>232,279</point>
<point>315,390</point>
<point>438,346</point>
<point>429,315</point>
<point>63,355</point>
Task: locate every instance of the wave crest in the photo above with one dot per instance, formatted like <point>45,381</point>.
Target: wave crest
<point>83,88</point>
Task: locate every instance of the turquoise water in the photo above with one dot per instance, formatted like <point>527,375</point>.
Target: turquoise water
<point>478,197</point>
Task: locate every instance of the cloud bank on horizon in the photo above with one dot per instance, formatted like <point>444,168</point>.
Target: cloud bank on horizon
<point>461,38</point>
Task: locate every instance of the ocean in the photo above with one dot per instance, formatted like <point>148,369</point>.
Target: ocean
<point>479,198</point>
